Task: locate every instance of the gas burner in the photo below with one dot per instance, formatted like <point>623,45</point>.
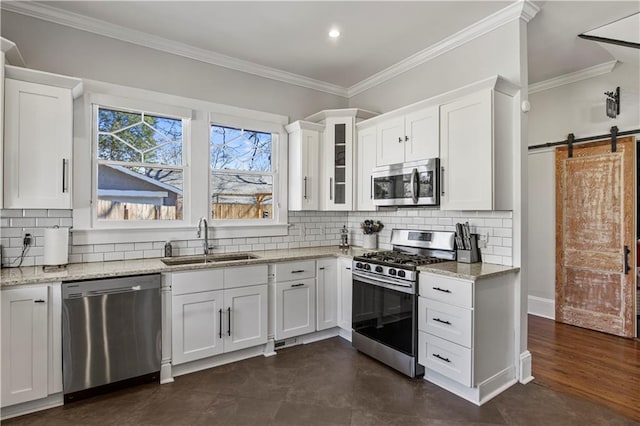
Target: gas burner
<point>401,258</point>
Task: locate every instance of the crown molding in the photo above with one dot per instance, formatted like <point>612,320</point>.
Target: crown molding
<point>11,52</point>
<point>99,27</point>
<point>520,10</point>
<point>572,77</point>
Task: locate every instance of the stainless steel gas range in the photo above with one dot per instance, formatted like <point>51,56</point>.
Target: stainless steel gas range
<point>385,296</point>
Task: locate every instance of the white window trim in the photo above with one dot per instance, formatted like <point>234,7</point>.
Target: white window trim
<point>107,93</point>
<point>279,154</point>
<point>137,106</point>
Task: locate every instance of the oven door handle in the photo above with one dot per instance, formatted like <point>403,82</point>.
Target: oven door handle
<point>381,283</point>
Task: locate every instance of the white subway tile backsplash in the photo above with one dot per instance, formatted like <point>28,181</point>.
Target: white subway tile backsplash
<point>116,255</point>
<point>22,222</point>
<point>143,246</point>
<point>92,257</point>
<point>12,213</point>
<point>47,222</point>
<point>124,247</point>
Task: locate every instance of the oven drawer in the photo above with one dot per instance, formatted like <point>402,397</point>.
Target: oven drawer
<point>446,290</point>
<point>446,321</point>
<point>298,270</point>
<point>444,357</point>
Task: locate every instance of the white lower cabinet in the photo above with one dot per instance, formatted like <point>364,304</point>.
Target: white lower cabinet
<point>295,304</point>
<point>327,294</point>
<point>345,290</point>
<point>465,338</point>
<point>31,343</point>
<point>217,311</point>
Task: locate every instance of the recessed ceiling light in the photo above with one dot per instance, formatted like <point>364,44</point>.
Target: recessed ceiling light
<point>334,33</point>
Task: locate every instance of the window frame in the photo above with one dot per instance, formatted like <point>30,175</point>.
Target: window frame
<point>278,157</point>
<point>148,108</point>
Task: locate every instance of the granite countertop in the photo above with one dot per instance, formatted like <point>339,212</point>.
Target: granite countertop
<point>93,270</point>
<point>84,271</point>
<point>468,271</point>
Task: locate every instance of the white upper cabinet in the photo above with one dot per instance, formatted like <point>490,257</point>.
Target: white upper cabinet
<point>476,152</point>
<point>366,162</point>
<point>304,165</point>
<point>336,185</point>
<point>410,137</point>
<point>38,138</point>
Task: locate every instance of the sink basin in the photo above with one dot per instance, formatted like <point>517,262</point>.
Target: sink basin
<point>212,258</point>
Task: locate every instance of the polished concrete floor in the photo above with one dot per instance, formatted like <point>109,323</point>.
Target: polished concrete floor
<point>324,383</point>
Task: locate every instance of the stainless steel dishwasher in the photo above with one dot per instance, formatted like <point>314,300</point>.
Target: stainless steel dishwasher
<point>111,334</point>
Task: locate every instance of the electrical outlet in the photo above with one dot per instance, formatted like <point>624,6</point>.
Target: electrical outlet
<point>27,240</point>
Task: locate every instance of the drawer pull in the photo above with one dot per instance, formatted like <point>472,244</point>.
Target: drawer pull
<point>442,321</point>
<point>299,271</point>
<point>444,290</point>
<point>297,285</point>
<point>38,301</point>
<point>441,357</point>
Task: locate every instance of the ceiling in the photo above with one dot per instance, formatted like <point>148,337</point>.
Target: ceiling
<point>292,36</point>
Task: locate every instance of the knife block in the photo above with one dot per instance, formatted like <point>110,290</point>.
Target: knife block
<point>469,256</point>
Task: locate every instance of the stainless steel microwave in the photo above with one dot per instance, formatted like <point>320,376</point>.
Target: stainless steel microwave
<point>407,184</point>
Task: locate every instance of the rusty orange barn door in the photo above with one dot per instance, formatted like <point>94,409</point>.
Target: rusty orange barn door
<point>595,199</point>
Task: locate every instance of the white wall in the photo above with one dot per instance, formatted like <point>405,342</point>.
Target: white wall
<point>577,108</point>
<point>493,53</point>
<point>55,48</point>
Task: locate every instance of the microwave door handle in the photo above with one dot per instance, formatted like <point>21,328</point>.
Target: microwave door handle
<point>414,186</point>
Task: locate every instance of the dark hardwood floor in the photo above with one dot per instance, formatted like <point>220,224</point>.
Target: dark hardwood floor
<point>592,365</point>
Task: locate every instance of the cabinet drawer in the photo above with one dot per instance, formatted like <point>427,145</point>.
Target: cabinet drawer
<point>298,270</point>
<point>452,323</point>
<point>196,281</point>
<point>444,357</point>
<point>243,276</point>
<point>447,290</point>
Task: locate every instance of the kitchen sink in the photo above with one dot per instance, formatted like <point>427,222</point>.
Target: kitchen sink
<point>211,258</point>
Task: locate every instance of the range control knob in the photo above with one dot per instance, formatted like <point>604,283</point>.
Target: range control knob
<point>401,274</point>
<point>392,271</point>
<point>359,265</point>
<point>367,267</point>
<point>378,268</point>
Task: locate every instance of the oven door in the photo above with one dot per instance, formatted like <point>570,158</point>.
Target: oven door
<point>385,313</point>
<point>407,184</point>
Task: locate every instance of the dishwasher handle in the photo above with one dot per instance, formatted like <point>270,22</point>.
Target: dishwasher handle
<point>129,289</point>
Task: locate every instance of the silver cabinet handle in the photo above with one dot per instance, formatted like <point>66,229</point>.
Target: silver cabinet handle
<point>305,187</point>
<point>414,186</point>
<point>65,175</point>
<point>297,285</point>
<point>442,181</point>
<point>331,189</point>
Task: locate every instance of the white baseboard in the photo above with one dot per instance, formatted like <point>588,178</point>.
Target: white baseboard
<point>485,391</point>
<point>50,401</point>
<point>525,368</point>
<point>541,307</point>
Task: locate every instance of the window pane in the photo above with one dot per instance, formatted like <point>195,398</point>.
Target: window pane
<point>241,196</point>
<point>126,136</point>
<point>139,193</point>
<point>240,149</point>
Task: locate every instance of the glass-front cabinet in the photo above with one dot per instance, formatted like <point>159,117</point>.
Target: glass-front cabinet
<point>338,163</point>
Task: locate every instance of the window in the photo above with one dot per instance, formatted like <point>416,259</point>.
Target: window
<point>242,175</point>
<point>140,166</point>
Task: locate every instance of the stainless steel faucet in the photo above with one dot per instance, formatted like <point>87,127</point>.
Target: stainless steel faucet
<point>205,242</point>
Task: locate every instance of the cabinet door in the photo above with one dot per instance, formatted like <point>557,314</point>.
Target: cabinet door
<point>422,129</point>
<point>38,142</point>
<point>304,169</point>
<point>466,153</point>
<point>197,330</point>
<point>390,142</point>
<point>345,293</point>
<point>24,345</point>
<point>366,150</point>
<point>338,164</point>
<point>327,294</point>
<point>247,316</point>
<point>295,308</point>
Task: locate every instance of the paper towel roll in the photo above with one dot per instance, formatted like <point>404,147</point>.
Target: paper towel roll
<point>56,246</point>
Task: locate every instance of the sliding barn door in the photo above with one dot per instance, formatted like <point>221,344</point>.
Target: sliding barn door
<point>595,199</point>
